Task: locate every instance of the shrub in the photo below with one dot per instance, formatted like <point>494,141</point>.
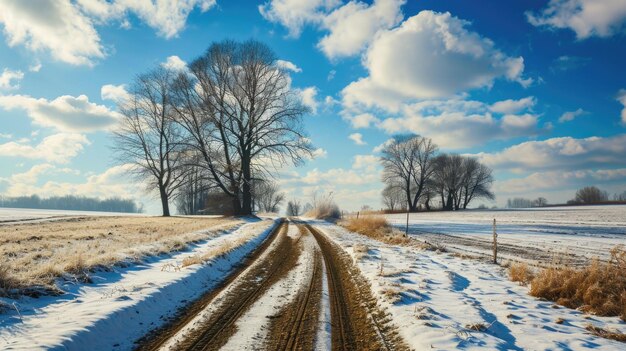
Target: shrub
<point>375,227</point>
<point>520,272</point>
<point>599,288</point>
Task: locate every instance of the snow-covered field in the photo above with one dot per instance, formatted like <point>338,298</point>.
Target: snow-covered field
<point>573,234</point>
<point>26,214</point>
<point>122,305</point>
<point>434,298</point>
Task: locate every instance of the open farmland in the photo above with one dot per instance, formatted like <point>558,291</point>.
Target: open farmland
<point>34,254</point>
<point>571,235</point>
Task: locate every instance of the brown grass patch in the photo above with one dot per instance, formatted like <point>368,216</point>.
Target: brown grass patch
<point>34,255</point>
<point>376,227</point>
<point>599,288</point>
<point>520,272</point>
<point>607,334</point>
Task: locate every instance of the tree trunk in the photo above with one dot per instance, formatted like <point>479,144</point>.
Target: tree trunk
<point>246,208</point>
<point>164,201</point>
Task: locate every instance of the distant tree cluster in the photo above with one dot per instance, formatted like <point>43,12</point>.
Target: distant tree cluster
<point>73,203</point>
<point>415,173</point>
<point>520,202</point>
<point>222,125</point>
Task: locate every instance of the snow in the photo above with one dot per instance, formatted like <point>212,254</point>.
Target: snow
<point>583,231</point>
<point>440,295</point>
<point>125,304</point>
<point>26,214</point>
<point>323,339</point>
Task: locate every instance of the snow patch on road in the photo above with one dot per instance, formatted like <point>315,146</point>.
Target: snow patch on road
<point>124,304</point>
<point>323,339</point>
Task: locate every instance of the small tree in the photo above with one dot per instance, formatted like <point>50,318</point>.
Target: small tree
<point>268,196</point>
<point>590,195</point>
<point>540,202</point>
<point>293,208</point>
<point>393,197</point>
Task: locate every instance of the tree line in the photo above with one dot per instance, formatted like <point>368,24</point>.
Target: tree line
<point>73,203</point>
<point>584,196</point>
<point>215,131</point>
<point>415,173</point>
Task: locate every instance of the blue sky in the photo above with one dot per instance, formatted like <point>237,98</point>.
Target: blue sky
<point>533,88</point>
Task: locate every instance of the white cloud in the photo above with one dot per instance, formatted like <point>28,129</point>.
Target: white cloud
<point>295,14</point>
<point>357,138</point>
<point>308,96</point>
<point>367,162</point>
<point>585,17</point>
<point>362,120</point>
<point>51,25</point>
<point>558,180</point>
<point>331,75</point>
<point>65,113</point>
<point>112,182</point>
<point>10,80</point>
<point>6,136</point>
<point>36,67</point>
<point>320,153</point>
<point>444,58</point>
<point>513,106</point>
<point>354,25</point>
<point>288,66</point>
<point>338,176</point>
<point>67,29</point>
<point>621,97</point>
<point>571,115</point>
<point>565,153</point>
<point>455,124</point>
<point>57,148</point>
<point>115,93</point>
<point>174,63</point>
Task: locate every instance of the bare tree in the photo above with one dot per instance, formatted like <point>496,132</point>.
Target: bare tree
<point>590,195</point>
<point>293,208</point>
<point>476,181</point>
<point>268,196</point>
<point>408,161</point>
<point>393,197</point>
<point>241,115</point>
<point>540,202</point>
<point>147,137</point>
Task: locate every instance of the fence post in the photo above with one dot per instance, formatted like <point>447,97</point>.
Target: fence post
<point>406,231</point>
<point>495,243</point>
<point>357,214</point>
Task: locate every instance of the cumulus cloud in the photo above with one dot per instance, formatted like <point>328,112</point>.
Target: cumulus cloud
<point>621,97</point>
<point>343,40</point>
<point>444,58</point>
<point>309,98</point>
<point>367,162</point>
<point>513,106</point>
<point>57,148</point>
<point>361,120</point>
<point>67,30</point>
<point>295,14</point>
<point>112,182</point>
<point>10,79</point>
<point>456,124</point>
<point>115,93</point>
<point>586,18</point>
<point>571,115</point>
<point>357,138</point>
<point>65,113</point>
<point>288,66</point>
<point>320,153</point>
<point>174,63</point>
<point>559,180</point>
<point>564,153</point>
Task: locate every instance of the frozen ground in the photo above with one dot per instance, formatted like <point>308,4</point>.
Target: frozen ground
<point>435,297</point>
<point>570,235</point>
<point>122,305</point>
<point>9,215</point>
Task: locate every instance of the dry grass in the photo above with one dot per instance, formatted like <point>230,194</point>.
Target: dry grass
<point>476,327</point>
<point>520,272</point>
<point>607,334</point>
<point>360,251</point>
<point>376,227</point>
<point>33,256</point>
<point>599,288</point>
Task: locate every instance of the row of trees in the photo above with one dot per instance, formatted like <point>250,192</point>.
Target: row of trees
<point>73,203</point>
<point>520,202</point>
<point>217,128</point>
<point>586,195</point>
<point>415,172</point>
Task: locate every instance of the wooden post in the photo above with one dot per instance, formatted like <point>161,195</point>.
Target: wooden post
<point>495,243</point>
<point>357,214</point>
<point>406,231</point>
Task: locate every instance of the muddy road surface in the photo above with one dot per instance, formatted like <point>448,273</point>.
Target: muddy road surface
<point>297,291</point>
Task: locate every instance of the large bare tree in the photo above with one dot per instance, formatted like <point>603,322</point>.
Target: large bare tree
<point>241,115</point>
<point>408,162</point>
<point>147,137</point>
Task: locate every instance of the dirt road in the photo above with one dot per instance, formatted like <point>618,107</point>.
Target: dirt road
<point>277,300</point>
